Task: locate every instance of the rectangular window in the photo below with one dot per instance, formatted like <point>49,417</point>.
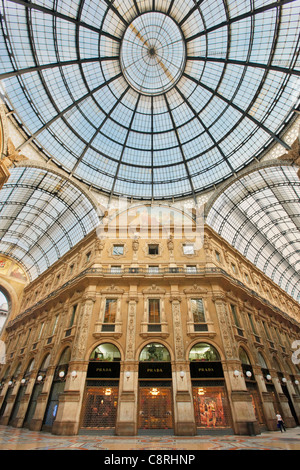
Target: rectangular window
<point>218,256</point>
<point>252,324</point>
<point>154,310</point>
<point>197,310</point>
<point>233,268</point>
<point>236,319</point>
<point>234,314</point>
<point>110,311</point>
<point>54,325</point>
<point>153,249</point>
<point>73,315</point>
<point>41,331</point>
<point>118,250</point>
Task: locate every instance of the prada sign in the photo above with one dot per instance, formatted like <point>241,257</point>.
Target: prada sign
<point>103,370</point>
<point>206,370</point>
<point>155,370</point>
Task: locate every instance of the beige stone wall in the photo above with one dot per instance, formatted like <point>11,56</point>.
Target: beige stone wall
<point>92,272</point>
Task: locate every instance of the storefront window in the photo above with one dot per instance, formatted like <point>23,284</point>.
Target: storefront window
<point>211,407</point>
<point>106,352</point>
<point>155,352</point>
<point>204,352</point>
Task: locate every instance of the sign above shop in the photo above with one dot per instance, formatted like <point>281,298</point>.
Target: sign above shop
<point>206,370</point>
<point>155,370</point>
<point>103,370</point>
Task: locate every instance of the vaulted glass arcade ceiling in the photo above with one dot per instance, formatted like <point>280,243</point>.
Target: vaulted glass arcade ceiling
<point>151,99</point>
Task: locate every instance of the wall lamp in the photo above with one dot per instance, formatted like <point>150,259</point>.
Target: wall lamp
<point>268,377</point>
<point>182,374</point>
<point>236,373</point>
<point>248,373</point>
<point>74,374</point>
<point>128,375</point>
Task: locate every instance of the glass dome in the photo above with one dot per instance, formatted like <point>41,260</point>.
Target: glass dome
<point>151,99</point>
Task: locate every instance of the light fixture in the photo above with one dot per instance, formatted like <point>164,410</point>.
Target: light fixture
<point>40,378</point>
<point>74,374</point>
<point>61,374</point>
<point>182,374</point>
<point>23,381</point>
<point>283,379</point>
<point>127,375</point>
<point>10,383</point>
<point>108,391</point>
<point>201,391</point>
<point>297,382</point>
<point>268,377</point>
<point>236,373</point>
<point>248,373</point>
<point>154,392</point>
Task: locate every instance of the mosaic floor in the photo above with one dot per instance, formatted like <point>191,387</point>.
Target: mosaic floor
<point>23,439</point>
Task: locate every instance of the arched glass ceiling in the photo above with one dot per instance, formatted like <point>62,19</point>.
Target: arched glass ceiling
<point>151,98</point>
<point>42,216</point>
<point>259,215</point>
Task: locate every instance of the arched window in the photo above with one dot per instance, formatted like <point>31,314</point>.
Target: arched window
<point>65,357</point>
<point>155,352</point>
<point>204,352</point>
<point>105,352</point>
<point>262,361</point>
<point>244,358</point>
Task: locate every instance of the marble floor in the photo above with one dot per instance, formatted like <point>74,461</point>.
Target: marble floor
<point>24,439</point>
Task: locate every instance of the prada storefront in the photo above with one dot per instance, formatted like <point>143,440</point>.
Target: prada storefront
<point>100,402</point>
<point>155,408</point>
<point>210,400</point>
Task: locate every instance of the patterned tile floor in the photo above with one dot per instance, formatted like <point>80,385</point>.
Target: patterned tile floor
<point>23,439</point>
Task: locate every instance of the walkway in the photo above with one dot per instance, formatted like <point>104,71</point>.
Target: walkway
<point>23,439</point>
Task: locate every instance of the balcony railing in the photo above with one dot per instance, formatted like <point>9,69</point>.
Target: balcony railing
<point>139,271</point>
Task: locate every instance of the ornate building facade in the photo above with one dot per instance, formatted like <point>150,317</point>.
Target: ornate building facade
<point>127,334</point>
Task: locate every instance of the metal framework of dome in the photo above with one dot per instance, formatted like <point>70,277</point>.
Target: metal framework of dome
<point>259,215</point>
<point>151,99</point>
<point>42,216</point>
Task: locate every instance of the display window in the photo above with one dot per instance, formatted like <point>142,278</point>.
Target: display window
<point>211,407</point>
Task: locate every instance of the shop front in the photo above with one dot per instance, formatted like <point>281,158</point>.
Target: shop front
<point>100,401</point>
<point>211,406</point>
<point>155,410</point>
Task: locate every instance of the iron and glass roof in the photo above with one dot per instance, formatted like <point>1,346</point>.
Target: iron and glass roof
<point>259,215</point>
<point>42,216</point>
<point>151,99</point>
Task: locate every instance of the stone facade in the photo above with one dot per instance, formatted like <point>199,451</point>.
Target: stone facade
<point>247,320</point>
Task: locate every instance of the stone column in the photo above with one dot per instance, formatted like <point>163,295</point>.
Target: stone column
<point>243,415</point>
<point>126,424</point>
<point>69,409</point>
<point>184,421</point>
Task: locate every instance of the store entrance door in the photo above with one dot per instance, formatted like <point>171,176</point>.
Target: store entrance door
<point>155,406</point>
<point>100,407</point>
